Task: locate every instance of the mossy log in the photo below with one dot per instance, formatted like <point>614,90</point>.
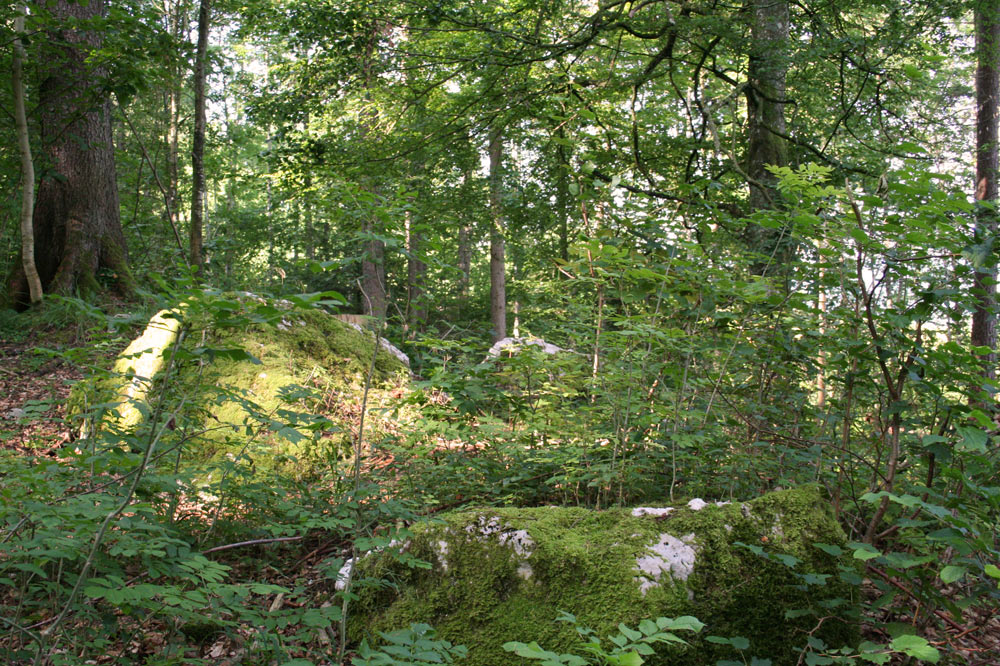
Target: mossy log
<point>131,377</point>
<point>503,575</point>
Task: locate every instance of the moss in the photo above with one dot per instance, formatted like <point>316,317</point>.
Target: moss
<point>310,349</point>
<point>131,376</point>
<point>584,562</point>
<point>237,404</point>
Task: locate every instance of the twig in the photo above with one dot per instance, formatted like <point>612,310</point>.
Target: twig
<point>252,542</point>
<point>941,614</point>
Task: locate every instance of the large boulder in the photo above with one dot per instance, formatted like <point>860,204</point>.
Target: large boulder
<point>281,389</point>
<point>502,575</point>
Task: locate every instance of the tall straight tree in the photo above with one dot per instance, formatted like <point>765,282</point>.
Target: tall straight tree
<point>765,96</point>
<point>373,299</point>
<point>198,189</point>
<point>498,276</point>
<point>984,323</point>
<point>76,220</point>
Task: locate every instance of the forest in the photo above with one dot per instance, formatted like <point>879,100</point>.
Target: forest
<point>499,332</point>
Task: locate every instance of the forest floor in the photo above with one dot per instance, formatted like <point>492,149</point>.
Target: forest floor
<point>34,389</point>
<point>35,386</point>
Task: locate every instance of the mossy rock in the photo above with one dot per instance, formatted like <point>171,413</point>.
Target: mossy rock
<point>502,575</point>
<point>259,406</point>
<point>310,363</point>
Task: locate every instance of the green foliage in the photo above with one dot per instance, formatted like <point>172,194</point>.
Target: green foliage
<point>627,648</point>
<point>416,646</point>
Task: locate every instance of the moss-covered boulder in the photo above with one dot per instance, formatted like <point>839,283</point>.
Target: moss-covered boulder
<point>276,386</point>
<point>502,575</point>
<point>295,405</point>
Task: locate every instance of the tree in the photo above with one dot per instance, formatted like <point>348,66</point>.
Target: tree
<point>76,219</point>
<point>984,323</point>
<point>27,166</point>
<point>498,279</point>
<point>198,143</point>
<point>766,118</point>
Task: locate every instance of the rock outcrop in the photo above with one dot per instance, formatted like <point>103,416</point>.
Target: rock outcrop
<point>749,569</point>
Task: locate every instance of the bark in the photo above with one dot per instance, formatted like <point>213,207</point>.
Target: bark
<point>984,325</point>
<point>562,196</point>
<point>76,219</point>
<point>373,286</point>
<point>198,139</point>
<point>768,68</point>
<point>27,166</point>
<point>498,280</point>
<point>416,277</point>
<point>373,298</point>
<point>177,25</point>
<point>465,241</point>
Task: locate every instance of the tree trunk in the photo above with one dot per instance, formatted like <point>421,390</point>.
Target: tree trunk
<point>27,165</point>
<point>198,139</point>
<point>416,277</point>
<point>768,68</point>
<point>373,287</point>
<point>177,25</point>
<point>76,219</point>
<point>498,280</point>
<point>465,238</point>
<point>984,324</point>
<point>562,195</point>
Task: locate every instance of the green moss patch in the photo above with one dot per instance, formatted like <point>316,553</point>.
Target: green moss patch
<point>282,396</point>
<point>293,407</point>
<point>503,575</point>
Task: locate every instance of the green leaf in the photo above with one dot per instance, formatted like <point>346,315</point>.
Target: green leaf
<point>916,647</point>
<point>630,634</point>
<point>973,439</point>
<point>684,622</point>
<point>630,659</point>
<point>864,551</point>
<point>951,573</point>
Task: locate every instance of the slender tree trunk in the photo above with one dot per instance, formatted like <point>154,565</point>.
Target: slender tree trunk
<point>27,165</point>
<point>465,240</point>
<point>177,25</point>
<point>562,196</point>
<point>307,213</point>
<point>498,279</point>
<point>416,276</point>
<point>198,189</point>
<point>76,221</point>
<point>768,68</point>
<point>984,324</point>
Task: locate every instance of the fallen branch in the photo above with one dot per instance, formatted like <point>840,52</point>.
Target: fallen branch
<point>252,542</point>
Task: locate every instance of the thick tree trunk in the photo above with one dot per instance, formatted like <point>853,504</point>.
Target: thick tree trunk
<point>498,278</point>
<point>984,324</point>
<point>76,220</point>
<point>198,139</point>
<point>27,166</point>
<point>373,286</point>
<point>765,95</point>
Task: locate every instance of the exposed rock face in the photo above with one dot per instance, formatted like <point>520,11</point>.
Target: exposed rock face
<point>503,575</point>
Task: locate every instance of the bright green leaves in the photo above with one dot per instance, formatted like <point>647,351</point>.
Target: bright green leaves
<point>916,647</point>
<point>627,647</point>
